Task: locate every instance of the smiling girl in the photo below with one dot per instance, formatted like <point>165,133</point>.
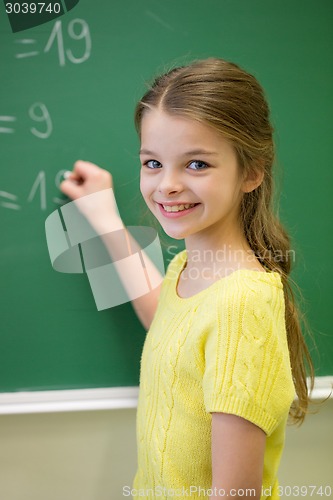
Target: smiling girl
<point>224,354</point>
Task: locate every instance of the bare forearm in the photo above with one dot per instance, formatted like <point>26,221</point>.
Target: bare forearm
<point>92,189</point>
<point>121,244</point>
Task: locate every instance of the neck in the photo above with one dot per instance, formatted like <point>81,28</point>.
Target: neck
<point>225,250</point>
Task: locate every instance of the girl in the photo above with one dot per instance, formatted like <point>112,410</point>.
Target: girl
<point>224,353</point>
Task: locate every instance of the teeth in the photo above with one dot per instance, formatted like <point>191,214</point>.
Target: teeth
<point>178,208</point>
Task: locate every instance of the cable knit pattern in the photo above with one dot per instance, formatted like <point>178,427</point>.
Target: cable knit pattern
<point>221,350</point>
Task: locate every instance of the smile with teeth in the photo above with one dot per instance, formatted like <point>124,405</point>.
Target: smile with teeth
<point>178,208</point>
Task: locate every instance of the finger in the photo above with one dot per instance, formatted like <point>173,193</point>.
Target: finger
<point>88,171</point>
<point>68,175</point>
<point>71,189</point>
<point>85,169</point>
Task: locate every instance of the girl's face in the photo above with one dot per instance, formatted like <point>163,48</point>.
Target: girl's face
<point>189,177</point>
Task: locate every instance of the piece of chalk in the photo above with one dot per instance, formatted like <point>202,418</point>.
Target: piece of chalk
<point>69,175</point>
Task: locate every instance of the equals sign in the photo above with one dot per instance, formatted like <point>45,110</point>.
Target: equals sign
<point>9,204</point>
<point>26,41</point>
<point>8,119</point>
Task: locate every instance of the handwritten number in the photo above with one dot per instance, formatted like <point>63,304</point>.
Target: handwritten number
<point>39,113</point>
<point>41,184</point>
<point>83,33</point>
<point>57,37</point>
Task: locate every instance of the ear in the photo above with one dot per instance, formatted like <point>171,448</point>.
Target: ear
<point>252,180</point>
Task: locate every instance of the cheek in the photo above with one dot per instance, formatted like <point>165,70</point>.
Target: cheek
<point>142,182</point>
<point>212,190</point>
<point>145,186</point>
<point>141,185</point>
<point>223,193</point>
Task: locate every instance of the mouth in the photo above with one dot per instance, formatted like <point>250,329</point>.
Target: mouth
<point>177,210</point>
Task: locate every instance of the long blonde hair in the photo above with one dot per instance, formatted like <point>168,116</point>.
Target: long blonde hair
<point>222,95</point>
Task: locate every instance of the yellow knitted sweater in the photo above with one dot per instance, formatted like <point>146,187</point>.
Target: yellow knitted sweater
<point>221,350</point>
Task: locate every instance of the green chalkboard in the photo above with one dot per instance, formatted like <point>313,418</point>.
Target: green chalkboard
<point>68,88</point>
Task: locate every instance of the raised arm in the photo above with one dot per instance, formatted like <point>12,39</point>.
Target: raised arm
<point>85,179</point>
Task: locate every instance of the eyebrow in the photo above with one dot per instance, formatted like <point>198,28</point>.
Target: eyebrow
<point>194,152</point>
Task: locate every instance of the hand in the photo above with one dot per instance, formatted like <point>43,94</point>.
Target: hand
<point>88,179</point>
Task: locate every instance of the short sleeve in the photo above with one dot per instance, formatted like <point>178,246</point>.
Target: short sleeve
<point>247,367</point>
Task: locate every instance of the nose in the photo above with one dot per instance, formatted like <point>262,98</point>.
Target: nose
<point>170,183</point>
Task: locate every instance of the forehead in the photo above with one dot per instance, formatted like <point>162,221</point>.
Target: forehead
<point>158,126</point>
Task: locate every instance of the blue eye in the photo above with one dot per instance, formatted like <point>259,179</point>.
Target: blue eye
<point>153,164</point>
<point>199,165</point>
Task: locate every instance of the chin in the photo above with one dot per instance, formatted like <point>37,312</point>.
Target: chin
<point>174,234</point>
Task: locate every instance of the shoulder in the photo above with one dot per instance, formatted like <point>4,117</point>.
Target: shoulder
<point>173,271</point>
<point>244,290</point>
<point>176,265</point>
<point>252,289</point>
<point>248,305</point>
